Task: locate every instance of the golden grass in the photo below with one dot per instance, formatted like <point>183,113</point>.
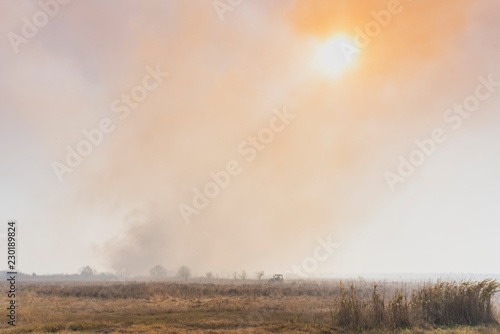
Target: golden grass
<point>308,307</point>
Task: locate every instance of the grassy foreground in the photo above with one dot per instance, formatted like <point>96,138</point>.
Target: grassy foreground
<point>293,307</point>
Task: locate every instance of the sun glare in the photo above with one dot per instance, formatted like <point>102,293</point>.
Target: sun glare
<point>335,55</point>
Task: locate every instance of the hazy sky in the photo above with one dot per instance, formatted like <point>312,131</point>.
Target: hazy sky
<point>232,67</point>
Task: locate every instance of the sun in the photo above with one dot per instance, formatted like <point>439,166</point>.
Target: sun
<point>334,56</point>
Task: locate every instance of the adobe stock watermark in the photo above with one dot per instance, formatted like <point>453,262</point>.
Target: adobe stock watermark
<point>30,28</point>
<point>95,136</point>
<point>371,30</point>
<point>248,149</point>
<point>322,252</point>
<point>310,264</point>
<point>223,6</point>
<point>453,117</point>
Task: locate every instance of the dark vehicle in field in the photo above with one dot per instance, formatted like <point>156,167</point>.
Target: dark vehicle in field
<point>277,278</point>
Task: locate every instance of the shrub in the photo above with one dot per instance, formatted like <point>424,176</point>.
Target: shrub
<point>444,303</point>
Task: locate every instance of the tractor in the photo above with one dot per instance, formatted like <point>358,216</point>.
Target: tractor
<point>276,278</point>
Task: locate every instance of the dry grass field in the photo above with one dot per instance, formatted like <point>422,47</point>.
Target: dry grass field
<point>252,307</point>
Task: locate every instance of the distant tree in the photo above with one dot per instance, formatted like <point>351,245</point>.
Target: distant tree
<point>158,271</point>
<point>209,275</point>
<point>259,274</point>
<point>235,275</point>
<point>243,275</point>
<point>33,274</point>
<point>184,272</point>
<point>87,271</point>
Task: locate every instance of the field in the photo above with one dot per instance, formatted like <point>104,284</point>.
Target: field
<point>255,307</point>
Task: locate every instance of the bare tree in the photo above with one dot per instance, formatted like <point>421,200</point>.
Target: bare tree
<point>184,272</point>
<point>158,271</point>
<point>209,275</point>
<point>259,274</point>
<point>235,275</point>
<point>243,275</point>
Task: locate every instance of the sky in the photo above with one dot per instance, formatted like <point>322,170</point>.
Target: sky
<point>247,135</point>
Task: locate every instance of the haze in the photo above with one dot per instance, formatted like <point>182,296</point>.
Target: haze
<point>324,175</point>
